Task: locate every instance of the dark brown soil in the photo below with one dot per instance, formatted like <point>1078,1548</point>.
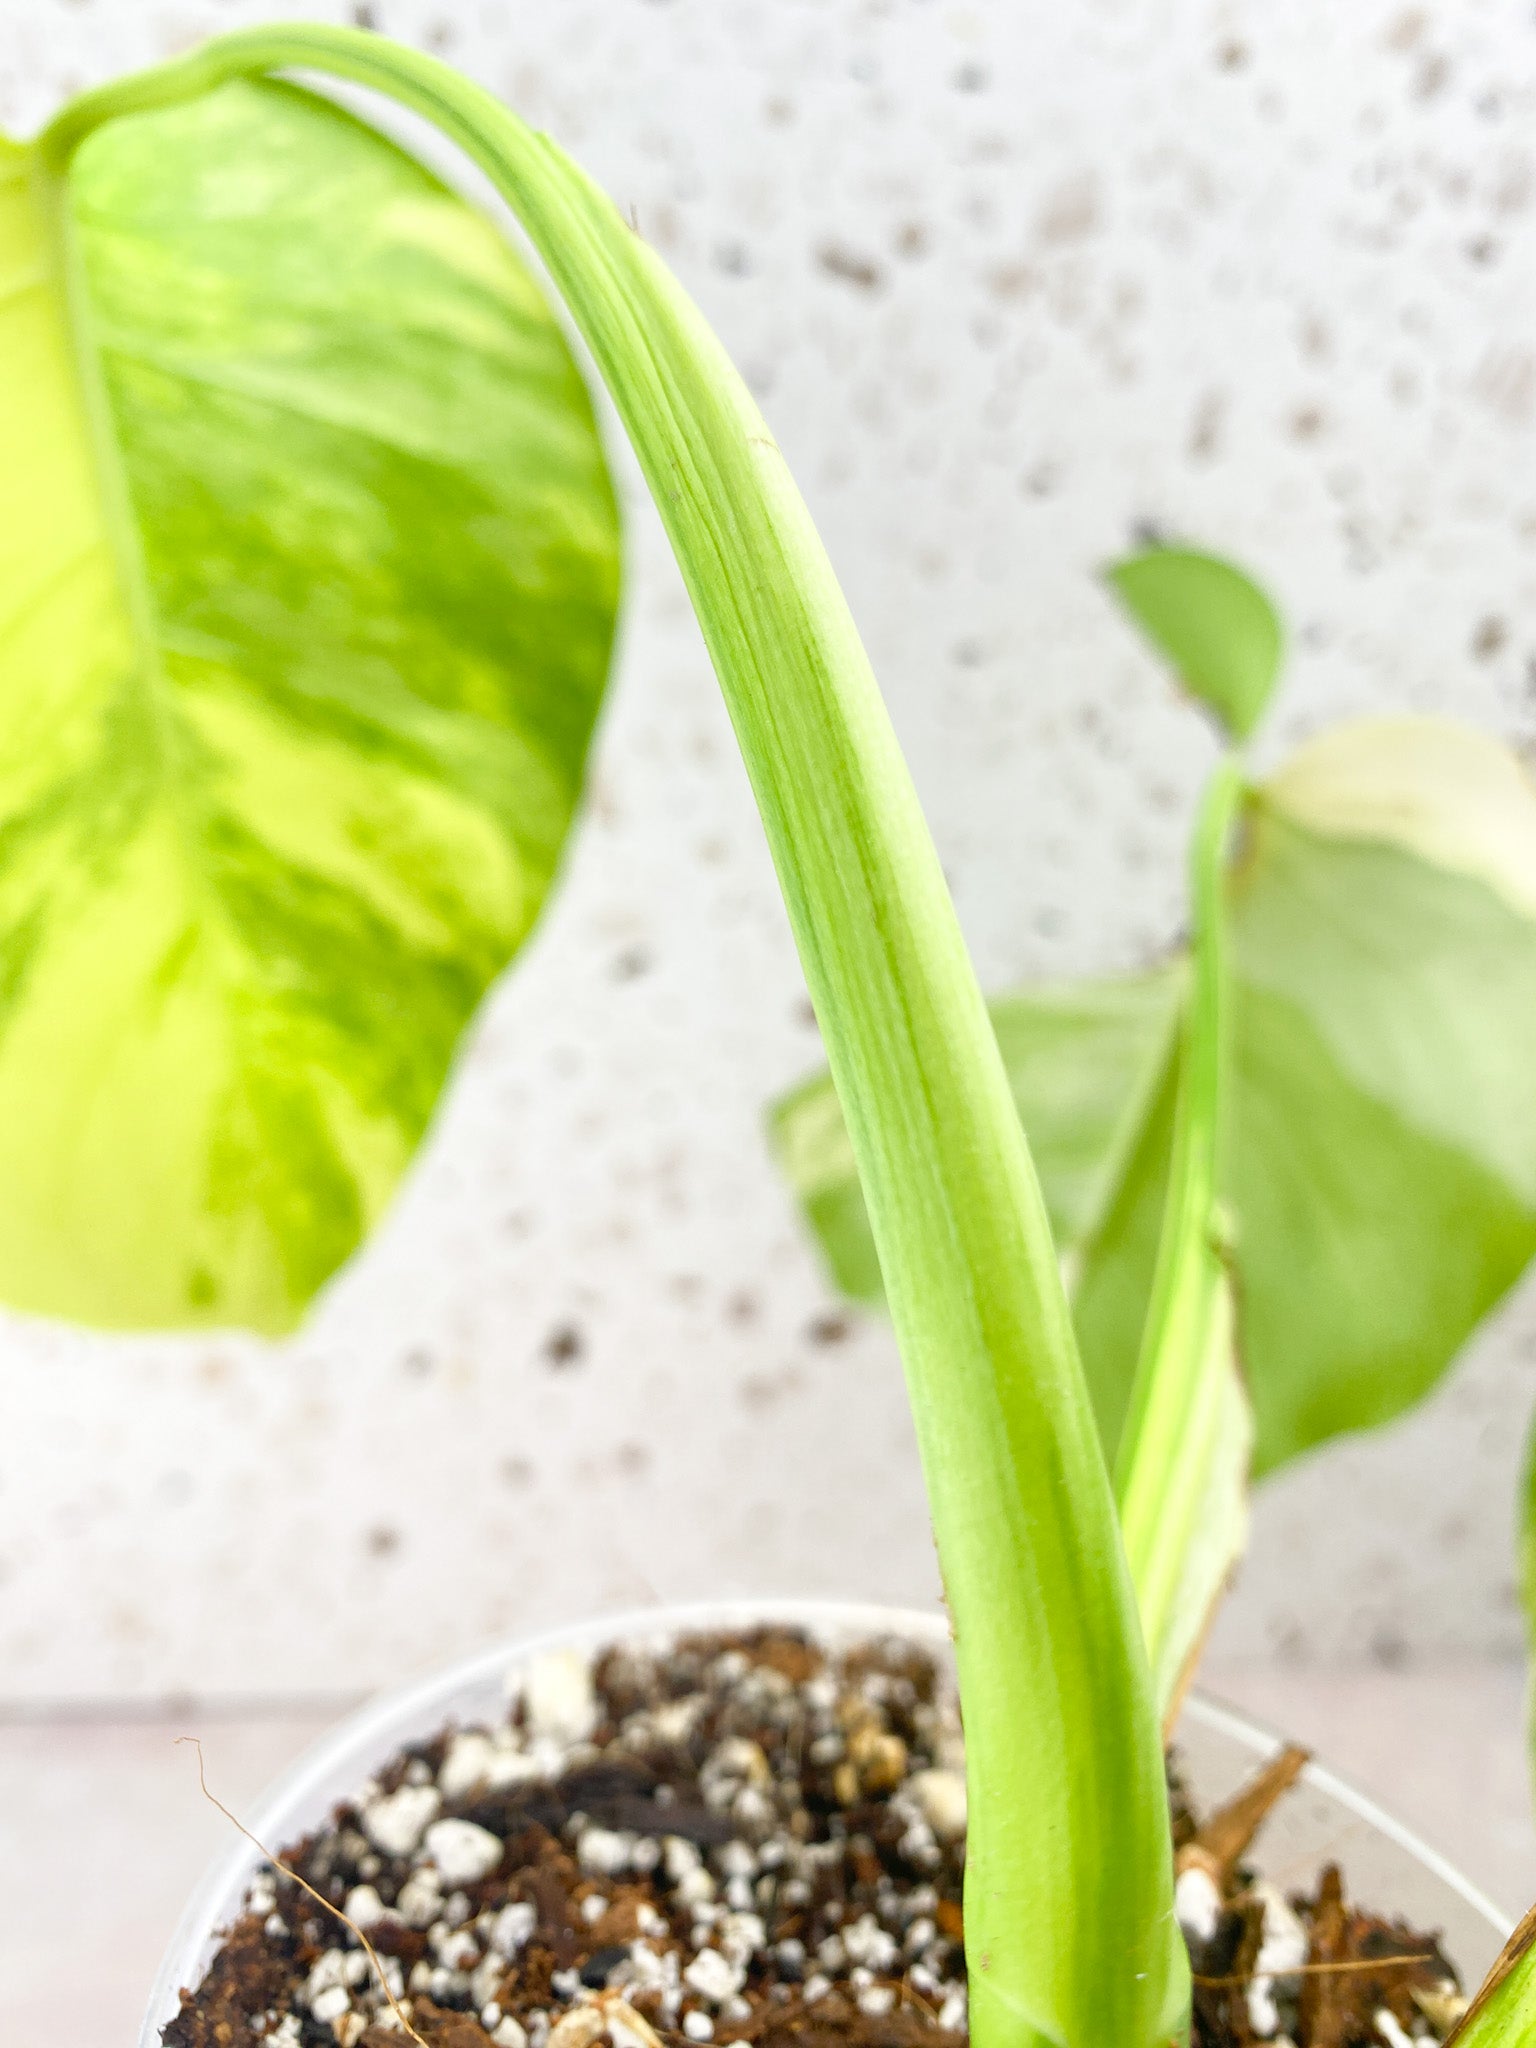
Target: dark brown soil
<point>736,1840</point>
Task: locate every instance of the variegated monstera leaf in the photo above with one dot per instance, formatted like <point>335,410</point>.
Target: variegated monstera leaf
<point>308,575</point>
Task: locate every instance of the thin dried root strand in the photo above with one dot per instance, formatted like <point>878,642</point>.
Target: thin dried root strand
<point>908,1994</point>
<point>304,1885</point>
<point>1352,1967</point>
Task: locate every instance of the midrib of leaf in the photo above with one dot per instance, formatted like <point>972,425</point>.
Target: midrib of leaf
<point>178,785</point>
<point>118,519</point>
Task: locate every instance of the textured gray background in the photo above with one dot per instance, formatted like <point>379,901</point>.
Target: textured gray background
<point>1008,279</point>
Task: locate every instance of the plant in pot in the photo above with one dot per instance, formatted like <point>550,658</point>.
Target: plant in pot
<point>172,667</point>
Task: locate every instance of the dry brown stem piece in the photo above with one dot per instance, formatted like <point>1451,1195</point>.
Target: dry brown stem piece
<point>1221,1840</point>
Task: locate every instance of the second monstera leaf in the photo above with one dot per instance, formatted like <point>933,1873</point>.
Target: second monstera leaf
<point>308,576</point>
<point>1381,1155</point>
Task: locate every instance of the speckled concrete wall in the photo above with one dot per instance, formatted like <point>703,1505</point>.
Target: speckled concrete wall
<point>1009,278</point>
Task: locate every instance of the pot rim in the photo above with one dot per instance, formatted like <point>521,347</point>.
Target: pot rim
<point>372,1725</point>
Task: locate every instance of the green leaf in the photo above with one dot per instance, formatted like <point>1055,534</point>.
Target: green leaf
<point>1384,940</point>
<point>308,572</point>
<point>1382,1142</point>
<point>1063,1751</point>
<point>1212,623</point>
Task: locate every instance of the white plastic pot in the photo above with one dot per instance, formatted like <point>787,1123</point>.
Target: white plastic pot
<point>1321,1820</point>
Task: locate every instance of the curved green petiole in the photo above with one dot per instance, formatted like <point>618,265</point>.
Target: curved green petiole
<point>1182,1471</point>
<point>1069,1925</point>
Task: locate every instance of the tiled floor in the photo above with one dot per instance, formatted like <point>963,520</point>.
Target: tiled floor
<point>1442,1747</point>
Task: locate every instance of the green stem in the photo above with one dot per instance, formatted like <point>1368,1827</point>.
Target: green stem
<point>1069,1923</point>
<point>1176,1393</point>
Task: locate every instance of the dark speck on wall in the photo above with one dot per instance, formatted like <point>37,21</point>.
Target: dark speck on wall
<point>1205,427</point>
<point>852,268</point>
<point>564,1346</point>
<point>1490,636</point>
<point>831,1328</point>
<point>1433,76</point>
<point>1388,1650</point>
